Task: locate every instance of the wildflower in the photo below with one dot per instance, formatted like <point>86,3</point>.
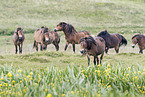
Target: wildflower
<point>48,95</point>
<point>98,95</point>
<point>1,85</point>
<point>63,95</point>
<point>129,68</point>
<point>9,74</point>
<point>143,91</point>
<point>86,75</point>
<point>28,76</point>
<point>19,71</point>
<point>31,73</point>
<point>2,78</point>
<point>139,71</point>
<point>143,69</point>
<point>20,81</point>
<point>24,90</point>
<point>127,74</point>
<point>13,81</point>
<point>17,74</point>
<point>72,92</point>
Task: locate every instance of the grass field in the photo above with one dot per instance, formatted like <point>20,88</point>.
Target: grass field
<point>64,73</point>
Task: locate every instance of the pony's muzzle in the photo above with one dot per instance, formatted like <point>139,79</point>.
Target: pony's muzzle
<point>133,45</point>
<point>55,30</point>
<point>47,40</point>
<point>83,51</point>
<point>20,36</point>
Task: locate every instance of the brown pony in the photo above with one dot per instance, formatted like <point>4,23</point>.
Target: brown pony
<point>140,39</point>
<point>18,39</point>
<point>71,35</point>
<point>44,36</point>
<point>93,46</point>
<point>113,40</point>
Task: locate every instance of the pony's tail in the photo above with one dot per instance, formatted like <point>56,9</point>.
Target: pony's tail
<point>123,42</point>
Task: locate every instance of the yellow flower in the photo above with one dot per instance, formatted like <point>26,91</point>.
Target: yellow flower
<point>143,91</point>
<point>13,81</point>
<point>2,78</point>
<point>143,69</point>
<point>127,74</point>
<point>98,95</point>
<point>31,73</point>
<point>129,68</point>
<point>72,92</point>
<point>17,74</point>
<point>48,95</point>
<point>63,94</point>
<point>28,76</point>
<point>139,71</point>
<point>1,85</point>
<point>9,74</point>
<point>19,71</point>
<point>24,90</point>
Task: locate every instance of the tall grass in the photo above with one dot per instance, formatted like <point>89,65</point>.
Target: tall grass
<point>103,80</point>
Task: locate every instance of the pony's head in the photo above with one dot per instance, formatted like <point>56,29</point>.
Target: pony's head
<point>60,26</point>
<point>86,44</point>
<point>135,39</point>
<point>19,32</point>
<point>45,32</point>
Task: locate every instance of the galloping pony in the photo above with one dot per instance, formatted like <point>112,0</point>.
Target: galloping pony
<point>113,40</point>
<point>71,35</point>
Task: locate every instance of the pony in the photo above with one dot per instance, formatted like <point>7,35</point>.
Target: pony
<point>94,47</point>
<point>44,36</point>
<point>140,40</point>
<point>71,35</point>
<point>18,39</point>
<point>113,40</point>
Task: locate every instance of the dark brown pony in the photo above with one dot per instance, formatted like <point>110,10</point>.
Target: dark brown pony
<point>93,46</point>
<point>44,36</point>
<point>140,40</point>
<point>113,40</point>
<point>71,35</point>
<point>18,39</point>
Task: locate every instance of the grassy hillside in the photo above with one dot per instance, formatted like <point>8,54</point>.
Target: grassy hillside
<point>92,15</point>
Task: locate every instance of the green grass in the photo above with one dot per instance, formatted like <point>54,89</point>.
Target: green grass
<point>103,80</point>
<point>117,16</point>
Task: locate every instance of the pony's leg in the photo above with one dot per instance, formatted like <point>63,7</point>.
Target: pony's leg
<point>41,47</point>
<point>117,49</point>
<point>97,60</point>
<point>101,58</point>
<point>37,47</point>
<point>141,51</point>
<point>94,60</point>
<point>88,59</point>
<point>106,50</point>
<point>66,46</point>
<point>73,47</point>
<point>20,48</point>
<point>16,50</point>
<point>56,46</point>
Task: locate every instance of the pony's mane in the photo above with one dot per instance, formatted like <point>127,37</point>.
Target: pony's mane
<point>89,40</point>
<point>69,28</point>
<point>137,34</point>
<point>103,33</point>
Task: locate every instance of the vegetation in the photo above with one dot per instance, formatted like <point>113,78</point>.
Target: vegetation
<point>50,73</point>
